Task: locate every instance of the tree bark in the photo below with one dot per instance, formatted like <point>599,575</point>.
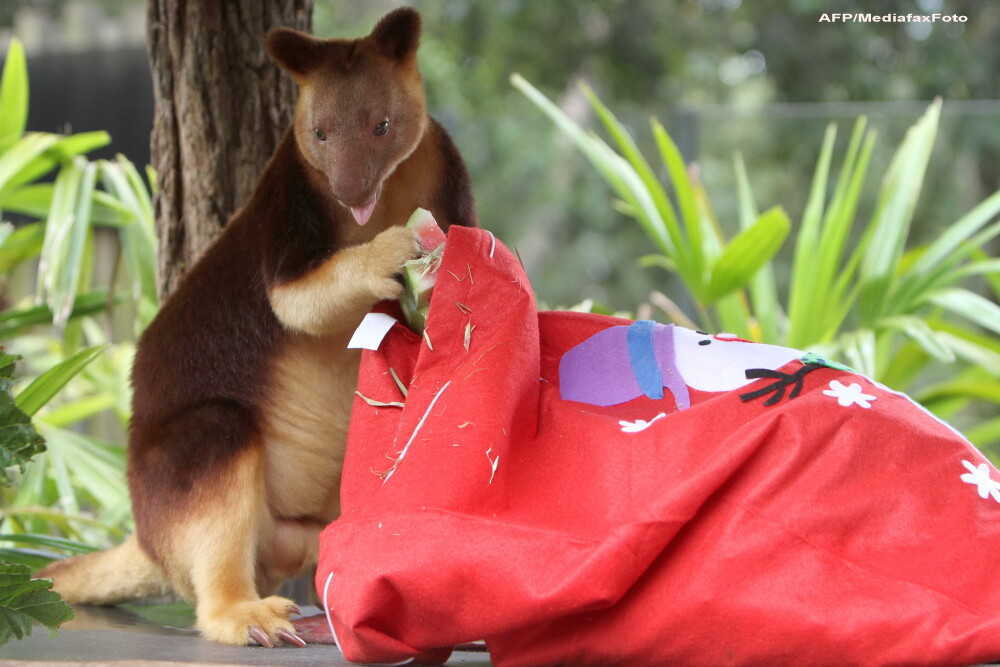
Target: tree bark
<point>221,109</point>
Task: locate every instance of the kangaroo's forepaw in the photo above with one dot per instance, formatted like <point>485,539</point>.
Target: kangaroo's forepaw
<point>387,253</point>
<point>264,622</point>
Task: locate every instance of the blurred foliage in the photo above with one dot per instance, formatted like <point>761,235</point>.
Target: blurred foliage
<point>77,218</point>
<point>23,159</point>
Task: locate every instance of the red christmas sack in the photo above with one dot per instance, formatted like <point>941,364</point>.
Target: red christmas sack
<point>583,490</point>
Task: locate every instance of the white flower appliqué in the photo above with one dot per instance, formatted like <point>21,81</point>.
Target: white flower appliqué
<point>849,395</point>
<point>639,425</point>
<point>980,477</point>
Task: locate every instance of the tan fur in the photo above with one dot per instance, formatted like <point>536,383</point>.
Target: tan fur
<point>346,286</point>
<point>126,573</point>
<point>305,426</point>
<point>223,571</point>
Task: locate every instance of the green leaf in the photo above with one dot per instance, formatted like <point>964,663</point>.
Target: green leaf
<point>734,314</point>
<point>62,151</point>
<point>628,185</point>
<point>139,187</point>
<point>687,201</point>
<point>890,226</point>
<point>860,350</point>
<point>898,197</point>
<point>832,267</point>
<point>18,157</point>
<point>54,519</point>
<point>662,261</point>
<point>88,465</point>
<point>984,390</point>
<point>747,202</point>
<point>956,235</point>
<point>922,334</point>
<point>19,440</point>
<point>709,235</point>
<point>48,384</point>
<point>67,414</point>
<point>138,239</point>
<point>24,243</point>
<point>36,200</point>
<point>19,320</point>
<point>937,265</point>
<point>750,250</point>
<point>812,217</point>
<point>984,267</point>
<point>906,364</point>
<point>638,162</point>
<point>678,170</point>
<point>151,179</point>
<point>803,288</point>
<point>13,95</point>
<point>30,200</point>
<point>763,286</point>
<point>66,236</point>
<point>29,558</point>
<point>170,614</point>
<point>25,601</point>
<point>39,550</point>
<point>969,305</point>
<point>986,435</point>
<point>973,351</point>
<point>613,168</point>
<point>49,542</point>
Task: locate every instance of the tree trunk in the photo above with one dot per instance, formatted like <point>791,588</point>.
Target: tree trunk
<point>221,108</point>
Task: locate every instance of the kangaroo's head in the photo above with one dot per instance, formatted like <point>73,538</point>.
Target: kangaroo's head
<point>361,108</point>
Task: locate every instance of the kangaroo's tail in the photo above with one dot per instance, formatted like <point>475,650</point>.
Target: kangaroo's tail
<point>107,577</point>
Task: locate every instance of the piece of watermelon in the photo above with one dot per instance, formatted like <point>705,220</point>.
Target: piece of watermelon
<point>429,235</point>
<point>420,274</point>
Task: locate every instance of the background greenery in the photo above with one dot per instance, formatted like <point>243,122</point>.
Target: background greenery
<point>874,236</point>
<point>75,360</point>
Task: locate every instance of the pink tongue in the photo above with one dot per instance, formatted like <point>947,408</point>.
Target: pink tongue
<point>363,213</point>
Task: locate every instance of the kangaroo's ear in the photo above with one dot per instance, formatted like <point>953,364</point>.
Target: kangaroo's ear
<point>295,51</point>
<point>397,34</point>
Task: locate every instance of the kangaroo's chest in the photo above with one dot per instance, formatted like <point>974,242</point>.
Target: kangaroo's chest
<point>304,424</point>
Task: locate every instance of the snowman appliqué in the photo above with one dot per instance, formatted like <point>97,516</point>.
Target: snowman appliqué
<point>624,362</point>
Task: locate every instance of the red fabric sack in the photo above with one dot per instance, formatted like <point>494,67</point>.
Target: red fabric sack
<point>760,507</point>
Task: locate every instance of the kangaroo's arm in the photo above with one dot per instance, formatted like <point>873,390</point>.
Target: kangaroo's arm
<point>337,294</point>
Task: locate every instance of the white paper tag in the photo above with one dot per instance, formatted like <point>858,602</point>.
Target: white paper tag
<point>373,329</point>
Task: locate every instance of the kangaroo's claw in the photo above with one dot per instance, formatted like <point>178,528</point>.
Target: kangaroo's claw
<point>291,638</point>
<point>260,637</point>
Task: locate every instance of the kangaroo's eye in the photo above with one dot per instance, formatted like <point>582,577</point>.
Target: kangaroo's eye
<point>320,134</point>
<point>381,129</point>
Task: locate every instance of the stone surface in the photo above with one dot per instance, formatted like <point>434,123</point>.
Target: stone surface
<point>160,635</point>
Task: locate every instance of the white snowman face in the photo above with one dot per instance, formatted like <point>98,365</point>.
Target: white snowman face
<point>719,363</point>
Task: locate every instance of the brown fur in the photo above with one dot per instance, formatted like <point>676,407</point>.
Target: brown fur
<point>243,383</point>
